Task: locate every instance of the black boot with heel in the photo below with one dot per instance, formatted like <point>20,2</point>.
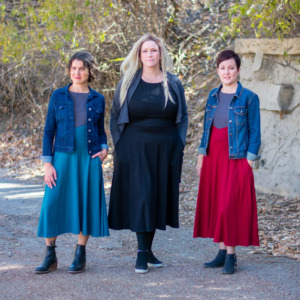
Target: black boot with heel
<point>219,260</point>
<point>79,261</point>
<point>230,264</point>
<point>49,263</point>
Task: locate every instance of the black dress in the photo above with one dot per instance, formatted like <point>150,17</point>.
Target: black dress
<point>147,164</point>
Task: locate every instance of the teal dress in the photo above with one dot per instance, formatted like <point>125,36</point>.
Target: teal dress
<point>77,202</point>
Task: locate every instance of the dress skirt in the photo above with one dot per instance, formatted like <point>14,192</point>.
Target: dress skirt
<point>147,168</point>
<point>77,202</point>
<point>226,205</point>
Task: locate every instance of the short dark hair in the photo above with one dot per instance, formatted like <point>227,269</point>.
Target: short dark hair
<point>228,54</point>
<point>88,61</point>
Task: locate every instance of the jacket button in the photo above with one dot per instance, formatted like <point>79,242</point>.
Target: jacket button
<point>230,121</point>
<point>90,109</point>
<point>89,130</point>
<point>90,152</point>
<point>89,119</point>
<point>89,141</point>
<point>230,147</point>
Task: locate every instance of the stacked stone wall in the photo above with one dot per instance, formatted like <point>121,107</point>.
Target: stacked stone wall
<point>272,70</point>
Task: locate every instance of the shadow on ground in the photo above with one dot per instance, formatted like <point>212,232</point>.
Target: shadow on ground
<point>110,262</point>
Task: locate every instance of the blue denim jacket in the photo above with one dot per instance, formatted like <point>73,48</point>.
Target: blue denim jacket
<point>60,124</point>
<point>243,123</point>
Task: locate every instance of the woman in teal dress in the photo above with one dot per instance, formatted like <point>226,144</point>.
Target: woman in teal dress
<point>74,147</point>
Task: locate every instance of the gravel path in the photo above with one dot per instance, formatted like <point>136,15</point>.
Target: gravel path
<point>110,262</point>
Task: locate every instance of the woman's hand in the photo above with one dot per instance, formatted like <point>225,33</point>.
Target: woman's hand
<point>199,164</point>
<point>250,162</point>
<point>50,175</point>
<point>102,154</point>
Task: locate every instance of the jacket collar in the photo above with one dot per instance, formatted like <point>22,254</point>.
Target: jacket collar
<point>237,94</point>
<point>134,83</point>
<point>172,83</point>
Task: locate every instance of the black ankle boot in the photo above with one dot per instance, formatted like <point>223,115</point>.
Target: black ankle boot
<point>79,261</point>
<point>230,264</point>
<point>153,261</point>
<point>49,263</point>
<point>141,266</point>
<point>219,260</point>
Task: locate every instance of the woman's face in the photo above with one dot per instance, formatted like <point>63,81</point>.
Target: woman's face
<point>228,72</point>
<point>79,73</point>
<point>150,54</point>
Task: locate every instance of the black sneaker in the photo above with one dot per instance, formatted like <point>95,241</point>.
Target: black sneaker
<point>141,266</point>
<point>153,261</point>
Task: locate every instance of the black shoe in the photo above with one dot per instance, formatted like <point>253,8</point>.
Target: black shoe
<point>219,260</point>
<point>49,263</point>
<point>153,261</point>
<point>141,266</point>
<point>230,264</point>
<point>79,261</point>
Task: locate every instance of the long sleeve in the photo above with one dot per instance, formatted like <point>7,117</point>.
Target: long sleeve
<point>49,132</point>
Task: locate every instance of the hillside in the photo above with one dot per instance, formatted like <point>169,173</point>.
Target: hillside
<point>194,31</point>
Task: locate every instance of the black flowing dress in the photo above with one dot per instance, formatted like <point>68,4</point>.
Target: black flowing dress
<point>147,164</point>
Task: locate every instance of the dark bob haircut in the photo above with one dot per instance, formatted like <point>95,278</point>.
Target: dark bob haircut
<point>228,54</point>
<point>88,61</point>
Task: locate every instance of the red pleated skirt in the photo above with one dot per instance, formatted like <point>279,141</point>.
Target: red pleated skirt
<point>226,205</point>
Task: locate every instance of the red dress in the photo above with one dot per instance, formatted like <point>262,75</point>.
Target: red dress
<point>226,205</point>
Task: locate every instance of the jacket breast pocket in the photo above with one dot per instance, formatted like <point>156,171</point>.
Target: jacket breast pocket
<point>96,111</point>
<point>240,115</point>
<point>209,115</point>
<point>60,111</point>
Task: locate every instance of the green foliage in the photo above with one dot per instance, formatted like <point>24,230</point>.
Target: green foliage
<point>267,18</point>
<point>38,36</point>
<point>32,27</point>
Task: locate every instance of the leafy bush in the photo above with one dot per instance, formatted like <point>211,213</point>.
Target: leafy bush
<point>268,18</point>
<point>37,37</point>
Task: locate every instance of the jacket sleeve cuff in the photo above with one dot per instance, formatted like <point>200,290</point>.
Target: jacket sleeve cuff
<point>103,146</point>
<point>46,159</point>
<point>201,150</point>
<point>252,156</point>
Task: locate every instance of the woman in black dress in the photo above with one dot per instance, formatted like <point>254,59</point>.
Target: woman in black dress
<point>148,126</point>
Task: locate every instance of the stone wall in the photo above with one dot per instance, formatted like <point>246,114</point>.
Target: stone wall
<point>272,70</point>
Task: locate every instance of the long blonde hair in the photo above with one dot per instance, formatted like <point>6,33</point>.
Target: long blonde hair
<point>132,63</point>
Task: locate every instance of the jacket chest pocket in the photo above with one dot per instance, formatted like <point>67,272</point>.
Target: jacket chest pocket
<point>209,115</point>
<point>240,115</point>
<point>61,111</point>
<point>94,112</point>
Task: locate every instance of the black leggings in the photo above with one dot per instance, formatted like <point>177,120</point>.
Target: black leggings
<point>145,240</point>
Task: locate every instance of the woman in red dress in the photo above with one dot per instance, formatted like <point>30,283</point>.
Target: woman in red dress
<point>226,206</point>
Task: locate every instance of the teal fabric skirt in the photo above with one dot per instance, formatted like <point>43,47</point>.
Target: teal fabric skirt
<point>77,202</point>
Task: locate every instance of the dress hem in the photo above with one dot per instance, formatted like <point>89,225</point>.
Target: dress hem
<point>227,245</point>
<point>127,228</point>
<point>72,232</point>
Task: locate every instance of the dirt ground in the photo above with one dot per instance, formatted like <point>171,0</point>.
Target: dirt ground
<point>110,262</point>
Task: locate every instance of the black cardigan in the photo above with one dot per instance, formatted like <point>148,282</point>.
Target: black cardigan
<point>119,116</point>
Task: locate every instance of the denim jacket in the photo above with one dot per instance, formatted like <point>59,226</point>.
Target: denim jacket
<point>60,124</point>
<point>120,115</point>
<point>243,123</point>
